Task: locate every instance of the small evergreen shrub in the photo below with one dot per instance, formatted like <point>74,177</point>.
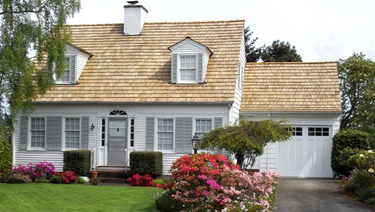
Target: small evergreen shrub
<point>95,181</point>
<point>56,179</point>
<point>366,193</point>
<point>5,156</point>
<point>143,163</point>
<point>77,161</point>
<point>80,180</point>
<point>343,139</point>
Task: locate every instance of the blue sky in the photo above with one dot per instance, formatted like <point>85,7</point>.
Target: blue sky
<point>321,30</point>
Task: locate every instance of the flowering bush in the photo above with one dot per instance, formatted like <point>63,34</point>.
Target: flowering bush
<point>41,170</point>
<point>68,177</point>
<point>3,176</point>
<point>145,180</point>
<point>206,182</point>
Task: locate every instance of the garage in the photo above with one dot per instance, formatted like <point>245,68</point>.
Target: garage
<point>306,154</point>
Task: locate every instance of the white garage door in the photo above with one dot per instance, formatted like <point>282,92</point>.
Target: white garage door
<point>307,154</point>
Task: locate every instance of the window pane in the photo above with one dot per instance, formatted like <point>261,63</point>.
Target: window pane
<point>72,132</point>
<point>37,132</point>
<point>165,134</point>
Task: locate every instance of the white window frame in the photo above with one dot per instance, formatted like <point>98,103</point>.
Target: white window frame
<point>30,133</point>
<point>58,80</point>
<point>179,68</point>
<point>157,135</point>
<point>195,124</point>
<point>64,132</point>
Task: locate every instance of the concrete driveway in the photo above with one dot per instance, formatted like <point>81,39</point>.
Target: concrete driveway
<point>299,194</point>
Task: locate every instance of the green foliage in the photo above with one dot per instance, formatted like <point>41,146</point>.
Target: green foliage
<point>280,52</point>
<point>80,180</point>
<point>357,87</point>
<point>350,187</point>
<point>344,158</point>
<point>57,179</point>
<point>144,162</point>
<point>95,181</point>
<point>27,28</point>
<point>252,53</point>
<point>77,161</point>
<point>247,139</point>
<point>165,202</point>
<point>343,139</point>
<point>5,156</point>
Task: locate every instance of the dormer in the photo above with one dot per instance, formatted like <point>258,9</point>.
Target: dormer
<point>75,60</point>
<point>189,62</point>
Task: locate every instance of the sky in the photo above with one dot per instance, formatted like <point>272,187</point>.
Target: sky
<point>321,30</point>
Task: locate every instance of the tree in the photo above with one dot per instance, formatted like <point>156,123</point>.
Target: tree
<point>280,52</point>
<point>31,30</point>
<point>252,53</point>
<point>357,87</point>
<point>247,139</point>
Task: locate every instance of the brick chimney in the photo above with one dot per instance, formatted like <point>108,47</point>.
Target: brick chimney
<point>135,17</point>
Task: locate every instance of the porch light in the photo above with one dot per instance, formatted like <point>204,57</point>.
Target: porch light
<point>92,127</point>
<point>195,143</point>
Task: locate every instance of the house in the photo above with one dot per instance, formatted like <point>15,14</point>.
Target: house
<point>140,86</point>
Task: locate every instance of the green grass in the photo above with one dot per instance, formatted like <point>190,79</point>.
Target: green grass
<point>73,197</point>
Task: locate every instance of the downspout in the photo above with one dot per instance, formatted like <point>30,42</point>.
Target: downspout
<point>14,146</point>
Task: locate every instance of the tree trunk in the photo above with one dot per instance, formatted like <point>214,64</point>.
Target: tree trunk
<point>240,158</point>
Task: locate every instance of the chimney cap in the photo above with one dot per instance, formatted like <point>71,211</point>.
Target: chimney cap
<point>132,2</point>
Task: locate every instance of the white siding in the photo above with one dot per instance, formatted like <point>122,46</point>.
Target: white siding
<point>238,93</point>
<point>81,61</point>
<point>97,112</point>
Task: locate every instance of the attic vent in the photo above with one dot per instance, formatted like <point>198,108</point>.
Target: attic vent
<point>117,113</point>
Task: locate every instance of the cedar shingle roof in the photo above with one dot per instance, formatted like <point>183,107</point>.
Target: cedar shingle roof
<point>137,68</point>
<point>291,87</point>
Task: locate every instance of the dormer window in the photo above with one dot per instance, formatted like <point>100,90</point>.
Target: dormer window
<point>68,76</point>
<point>189,62</point>
<point>75,61</point>
<point>187,71</point>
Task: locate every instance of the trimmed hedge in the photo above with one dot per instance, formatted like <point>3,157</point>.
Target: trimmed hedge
<point>5,155</point>
<point>77,161</point>
<point>146,163</point>
<point>343,139</point>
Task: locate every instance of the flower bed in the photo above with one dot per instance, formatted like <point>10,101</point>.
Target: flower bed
<point>205,182</point>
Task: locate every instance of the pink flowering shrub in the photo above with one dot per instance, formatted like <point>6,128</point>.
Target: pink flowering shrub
<point>137,180</point>
<point>206,182</point>
<point>30,172</point>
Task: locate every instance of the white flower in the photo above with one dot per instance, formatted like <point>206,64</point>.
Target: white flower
<point>371,170</point>
<point>361,155</point>
<point>370,151</point>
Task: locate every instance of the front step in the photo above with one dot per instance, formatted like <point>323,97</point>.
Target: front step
<point>117,176</point>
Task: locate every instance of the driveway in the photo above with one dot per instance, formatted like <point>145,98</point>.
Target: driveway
<point>299,194</point>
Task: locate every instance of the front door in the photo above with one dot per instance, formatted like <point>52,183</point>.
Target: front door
<point>117,142</point>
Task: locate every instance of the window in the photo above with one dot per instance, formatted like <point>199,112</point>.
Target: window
<point>65,78</point>
<point>165,134</point>
<point>38,135</point>
<point>318,131</point>
<point>72,133</point>
<point>188,69</point>
<point>296,131</point>
<point>103,133</point>
<point>132,132</point>
<point>202,127</point>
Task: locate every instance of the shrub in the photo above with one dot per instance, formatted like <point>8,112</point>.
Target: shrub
<point>146,163</point>
<point>56,179</point>
<point>366,193</point>
<point>205,182</point>
<point>5,155</point>
<point>68,177</point>
<point>77,161</point>
<point>80,180</point>
<point>343,139</point>
<point>137,180</point>
<point>165,202</point>
<point>94,181</point>
<point>41,170</point>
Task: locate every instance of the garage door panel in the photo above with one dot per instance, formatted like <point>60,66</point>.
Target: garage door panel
<point>305,156</point>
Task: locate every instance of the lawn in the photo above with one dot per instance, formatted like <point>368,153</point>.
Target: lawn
<point>75,197</point>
